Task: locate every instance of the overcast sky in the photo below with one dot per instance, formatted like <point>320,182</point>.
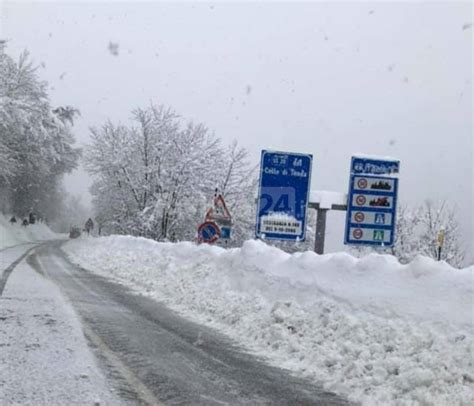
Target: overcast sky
<point>331,79</point>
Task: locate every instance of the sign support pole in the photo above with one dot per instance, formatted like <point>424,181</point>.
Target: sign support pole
<point>320,231</point>
<point>440,242</point>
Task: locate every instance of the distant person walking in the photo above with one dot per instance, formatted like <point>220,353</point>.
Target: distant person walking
<point>89,226</point>
<point>13,220</point>
<point>32,218</point>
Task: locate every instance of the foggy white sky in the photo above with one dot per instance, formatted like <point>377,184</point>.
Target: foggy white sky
<point>322,78</point>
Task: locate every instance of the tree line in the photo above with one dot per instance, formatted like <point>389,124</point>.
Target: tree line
<point>36,141</point>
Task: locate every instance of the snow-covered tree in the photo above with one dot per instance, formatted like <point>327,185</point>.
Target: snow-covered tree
<point>157,177</point>
<point>36,145</point>
<point>238,184</point>
<point>407,229</point>
<point>417,230</point>
<point>434,217</point>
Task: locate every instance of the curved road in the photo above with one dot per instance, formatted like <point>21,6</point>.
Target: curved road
<point>153,356</point>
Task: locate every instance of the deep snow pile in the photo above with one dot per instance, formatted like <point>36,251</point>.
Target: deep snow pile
<point>14,234</point>
<point>372,329</point>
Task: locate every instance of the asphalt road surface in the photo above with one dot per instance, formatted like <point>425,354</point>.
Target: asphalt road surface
<point>153,356</point>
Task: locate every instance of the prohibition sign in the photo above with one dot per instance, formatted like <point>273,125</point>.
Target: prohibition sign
<point>362,183</point>
<point>359,217</point>
<point>357,233</point>
<point>360,200</point>
<point>209,232</point>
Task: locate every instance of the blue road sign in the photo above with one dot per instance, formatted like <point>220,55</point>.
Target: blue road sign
<point>372,203</point>
<point>209,232</point>
<point>369,166</point>
<point>379,218</point>
<point>225,233</point>
<point>283,195</point>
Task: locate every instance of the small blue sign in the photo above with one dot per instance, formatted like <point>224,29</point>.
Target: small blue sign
<point>283,195</point>
<point>225,233</point>
<point>372,202</point>
<point>379,218</point>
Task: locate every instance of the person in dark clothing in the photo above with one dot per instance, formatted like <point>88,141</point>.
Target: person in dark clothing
<point>13,220</point>
<point>89,226</point>
<point>32,218</point>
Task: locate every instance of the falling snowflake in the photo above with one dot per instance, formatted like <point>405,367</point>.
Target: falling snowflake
<point>113,48</point>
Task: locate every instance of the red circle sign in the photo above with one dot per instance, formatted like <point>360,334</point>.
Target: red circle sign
<point>357,233</point>
<point>362,183</point>
<point>359,217</point>
<point>360,200</point>
<point>209,232</point>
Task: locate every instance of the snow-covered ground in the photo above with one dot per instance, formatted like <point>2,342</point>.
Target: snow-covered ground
<point>44,357</point>
<point>14,234</point>
<point>372,329</point>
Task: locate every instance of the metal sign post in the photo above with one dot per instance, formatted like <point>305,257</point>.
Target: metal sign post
<point>372,202</point>
<point>322,206</point>
<point>283,195</point>
<point>440,243</point>
<point>320,231</point>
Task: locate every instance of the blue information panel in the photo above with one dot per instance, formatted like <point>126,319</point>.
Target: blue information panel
<point>283,195</point>
<point>372,202</point>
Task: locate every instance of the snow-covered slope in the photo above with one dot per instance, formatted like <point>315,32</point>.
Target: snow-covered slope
<point>13,234</point>
<point>370,328</point>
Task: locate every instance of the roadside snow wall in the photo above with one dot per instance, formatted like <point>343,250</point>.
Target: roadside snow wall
<point>14,234</point>
<point>370,328</point>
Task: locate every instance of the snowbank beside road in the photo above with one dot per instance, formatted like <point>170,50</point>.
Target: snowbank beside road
<point>14,234</point>
<point>372,329</point>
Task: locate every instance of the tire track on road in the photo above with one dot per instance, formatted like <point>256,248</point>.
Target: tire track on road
<point>18,245</point>
<point>7,272</point>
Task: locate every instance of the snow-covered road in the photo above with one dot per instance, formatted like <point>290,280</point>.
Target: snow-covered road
<point>44,357</point>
